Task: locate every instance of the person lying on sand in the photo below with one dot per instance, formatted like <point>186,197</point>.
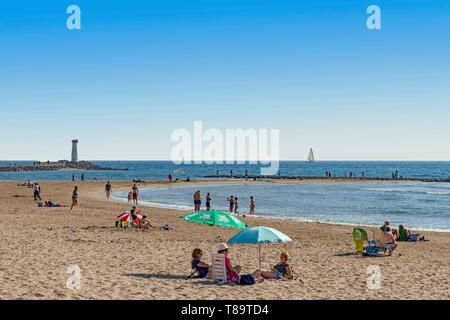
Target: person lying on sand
<point>51,204</point>
<point>387,241</point>
<point>203,269</point>
<point>281,271</point>
<point>407,235</point>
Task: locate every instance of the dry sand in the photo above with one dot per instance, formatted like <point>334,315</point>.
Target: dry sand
<point>39,244</point>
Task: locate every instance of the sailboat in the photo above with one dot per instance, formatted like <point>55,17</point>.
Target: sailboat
<point>310,156</point>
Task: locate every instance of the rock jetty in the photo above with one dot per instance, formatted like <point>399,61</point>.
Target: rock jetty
<point>55,166</point>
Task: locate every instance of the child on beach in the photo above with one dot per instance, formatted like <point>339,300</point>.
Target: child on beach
<point>74,197</point>
<point>236,206</point>
<point>130,195</point>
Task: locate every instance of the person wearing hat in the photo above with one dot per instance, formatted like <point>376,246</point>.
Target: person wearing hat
<point>232,272</point>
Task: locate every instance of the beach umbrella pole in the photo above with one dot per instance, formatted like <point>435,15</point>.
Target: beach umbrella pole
<point>259,256</point>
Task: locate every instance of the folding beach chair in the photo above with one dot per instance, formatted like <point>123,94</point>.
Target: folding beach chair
<point>360,238</point>
<point>219,269</point>
<point>193,274</point>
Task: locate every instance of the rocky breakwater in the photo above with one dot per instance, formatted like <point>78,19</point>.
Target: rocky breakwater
<point>54,166</point>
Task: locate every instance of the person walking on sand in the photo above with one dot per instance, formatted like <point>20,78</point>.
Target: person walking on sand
<point>197,201</point>
<point>231,201</point>
<point>108,189</point>
<point>135,194</point>
<point>74,197</point>
<point>208,202</point>
<point>37,191</point>
<point>252,205</point>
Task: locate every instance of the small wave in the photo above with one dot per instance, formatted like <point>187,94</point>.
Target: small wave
<point>439,193</point>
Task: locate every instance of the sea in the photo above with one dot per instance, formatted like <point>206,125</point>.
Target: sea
<point>418,205</point>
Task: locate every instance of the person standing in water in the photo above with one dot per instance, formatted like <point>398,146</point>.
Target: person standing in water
<point>197,201</point>
<point>82,177</point>
<point>236,206</point>
<point>74,197</point>
<point>208,202</point>
<point>252,205</point>
<point>231,201</point>
<point>135,194</point>
<point>73,176</point>
<point>108,189</point>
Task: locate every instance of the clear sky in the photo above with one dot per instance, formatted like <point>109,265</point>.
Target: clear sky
<point>137,70</point>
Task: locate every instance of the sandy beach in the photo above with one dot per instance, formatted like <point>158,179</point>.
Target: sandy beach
<point>39,244</point>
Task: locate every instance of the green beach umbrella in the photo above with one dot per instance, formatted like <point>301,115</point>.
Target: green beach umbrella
<point>215,218</point>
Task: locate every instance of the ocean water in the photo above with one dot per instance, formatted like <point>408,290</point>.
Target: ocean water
<point>419,205</point>
<point>151,170</point>
<point>424,206</point>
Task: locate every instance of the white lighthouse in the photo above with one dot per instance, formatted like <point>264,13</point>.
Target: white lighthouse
<point>74,151</point>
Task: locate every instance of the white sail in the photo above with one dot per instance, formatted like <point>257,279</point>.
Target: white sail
<point>311,155</point>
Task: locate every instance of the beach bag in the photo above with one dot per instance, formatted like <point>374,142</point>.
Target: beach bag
<point>246,280</point>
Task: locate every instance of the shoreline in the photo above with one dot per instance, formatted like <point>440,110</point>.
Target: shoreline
<point>180,209</point>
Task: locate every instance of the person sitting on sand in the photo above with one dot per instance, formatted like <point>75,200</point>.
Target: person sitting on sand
<point>232,273</point>
<point>407,235</point>
<point>134,212</point>
<point>202,268</point>
<point>387,241</point>
<point>281,271</point>
<point>393,230</point>
<point>145,223</point>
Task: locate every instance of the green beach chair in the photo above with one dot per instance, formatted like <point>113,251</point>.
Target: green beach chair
<point>359,236</point>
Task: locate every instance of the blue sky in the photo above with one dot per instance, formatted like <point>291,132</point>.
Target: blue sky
<point>137,70</point>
